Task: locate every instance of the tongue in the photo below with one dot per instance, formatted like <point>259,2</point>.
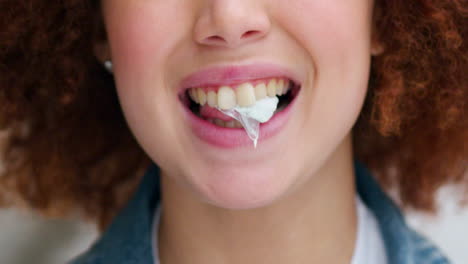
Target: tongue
<point>207,112</point>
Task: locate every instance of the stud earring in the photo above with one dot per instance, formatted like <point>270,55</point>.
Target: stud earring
<point>108,66</point>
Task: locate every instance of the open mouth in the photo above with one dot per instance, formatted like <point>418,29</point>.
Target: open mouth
<point>204,102</point>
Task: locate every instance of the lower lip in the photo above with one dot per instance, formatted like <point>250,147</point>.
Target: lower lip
<point>236,137</point>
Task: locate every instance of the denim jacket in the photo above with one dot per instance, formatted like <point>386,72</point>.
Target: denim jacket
<point>128,238</point>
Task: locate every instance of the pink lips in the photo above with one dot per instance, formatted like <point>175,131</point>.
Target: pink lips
<point>231,75</point>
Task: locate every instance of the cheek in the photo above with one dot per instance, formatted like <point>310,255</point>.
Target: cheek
<point>336,35</point>
<point>138,33</point>
<point>141,34</point>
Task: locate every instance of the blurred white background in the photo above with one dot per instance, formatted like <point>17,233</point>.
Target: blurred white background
<point>27,239</point>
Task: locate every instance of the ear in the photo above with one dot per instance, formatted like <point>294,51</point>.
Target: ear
<point>101,50</point>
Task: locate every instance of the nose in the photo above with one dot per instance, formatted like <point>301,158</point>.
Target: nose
<point>231,23</point>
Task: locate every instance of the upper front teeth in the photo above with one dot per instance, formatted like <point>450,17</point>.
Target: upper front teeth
<point>226,97</point>
<point>244,95</point>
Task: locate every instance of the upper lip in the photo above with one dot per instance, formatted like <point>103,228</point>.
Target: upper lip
<point>233,74</point>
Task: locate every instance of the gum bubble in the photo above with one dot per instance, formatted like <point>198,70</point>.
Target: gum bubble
<point>251,117</point>
<point>251,126</point>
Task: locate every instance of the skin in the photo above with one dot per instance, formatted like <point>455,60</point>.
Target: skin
<point>292,199</point>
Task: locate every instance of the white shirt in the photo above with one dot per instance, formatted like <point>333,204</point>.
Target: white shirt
<point>369,246</point>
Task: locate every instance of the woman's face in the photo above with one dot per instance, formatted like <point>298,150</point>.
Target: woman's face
<point>160,48</point>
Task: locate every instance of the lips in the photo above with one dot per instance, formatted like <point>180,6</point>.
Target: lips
<point>200,96</point>
<point>230,75</point>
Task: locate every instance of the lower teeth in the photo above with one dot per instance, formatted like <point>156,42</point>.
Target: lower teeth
<point>227,124</point>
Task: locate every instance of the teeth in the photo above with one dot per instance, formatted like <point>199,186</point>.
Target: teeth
<point>260,91</point>
<point>245,95</point>
<point>280,87</point>
<point>193,95</point>
<point>271,88</point>
<point>227,124</point>
<point>212,99</point>
<point>226,98</point>
<point>237,124</point>
<point>201,96</point>
<point>219,122</point>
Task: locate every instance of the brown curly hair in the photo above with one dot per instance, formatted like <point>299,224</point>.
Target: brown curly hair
<point>66,144</point>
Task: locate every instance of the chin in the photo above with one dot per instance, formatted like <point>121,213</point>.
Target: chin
<point>242,188</point>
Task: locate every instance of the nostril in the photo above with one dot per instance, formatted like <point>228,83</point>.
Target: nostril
<point>215,38</point>
<point>250,33</point>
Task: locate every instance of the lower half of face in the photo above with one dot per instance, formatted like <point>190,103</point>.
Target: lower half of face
<point>177,63</point>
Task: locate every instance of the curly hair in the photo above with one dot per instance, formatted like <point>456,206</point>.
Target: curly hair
<point>67,147</point>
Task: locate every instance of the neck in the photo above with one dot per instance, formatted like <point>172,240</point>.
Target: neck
<point>314,224</point>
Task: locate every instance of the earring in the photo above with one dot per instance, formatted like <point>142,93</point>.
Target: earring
<point>108,66</point>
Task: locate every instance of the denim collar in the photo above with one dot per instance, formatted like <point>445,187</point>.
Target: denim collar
<point>128,239</point>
